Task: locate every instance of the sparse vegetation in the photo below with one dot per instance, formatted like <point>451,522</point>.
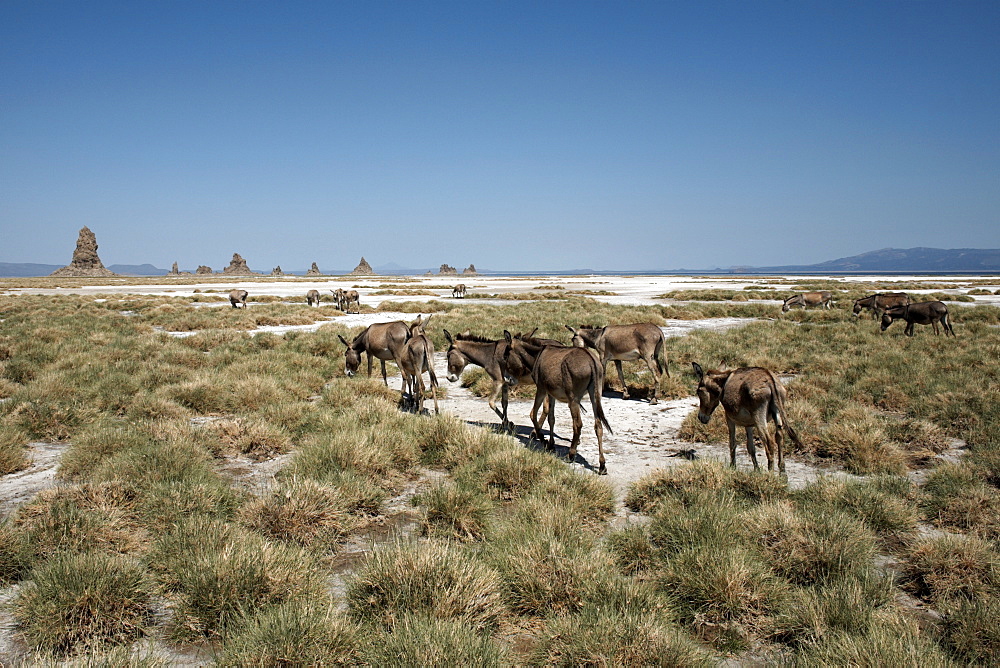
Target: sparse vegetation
<point>511,542</point>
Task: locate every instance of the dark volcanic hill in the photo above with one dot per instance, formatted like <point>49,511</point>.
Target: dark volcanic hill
<point>895,260</point>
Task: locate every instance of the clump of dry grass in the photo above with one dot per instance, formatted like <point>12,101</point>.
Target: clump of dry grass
<point>953,567</point>
<point>254,437</point>
<point>301,633</point>
<point>79,518</point>
<point>418,640</point>
<point>303,512</point>
<point>454,511</point>
<point>217,574</point>
<point>13,450</point>
<point>83,600</point>
<point>809,547</point>
<point>433,578</point>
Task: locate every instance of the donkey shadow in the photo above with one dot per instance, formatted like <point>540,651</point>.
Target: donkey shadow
<point>525,434</point>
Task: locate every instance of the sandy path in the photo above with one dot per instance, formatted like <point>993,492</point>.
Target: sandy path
<point>21,486</point>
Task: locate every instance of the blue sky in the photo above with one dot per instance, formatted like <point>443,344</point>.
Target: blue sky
<point>512,135</point>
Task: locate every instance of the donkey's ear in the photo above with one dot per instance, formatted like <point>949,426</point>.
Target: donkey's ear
<point>570,329</point>
<point>447,335</point>
<point>698,371</point>
<point>723,366</point>
<point>530,334</point>
<point>423,325</point>
<point>467,332</point>
<point>343,340</point>
<point>507,336</point>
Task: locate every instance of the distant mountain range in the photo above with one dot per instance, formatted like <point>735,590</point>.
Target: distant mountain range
<point>884,261</point>
<point>901,260</point>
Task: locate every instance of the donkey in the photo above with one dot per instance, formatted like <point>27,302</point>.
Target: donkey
<point>561,374</point>
<point>238,297</point>
<point>879,302</point>
<point>417,357</point>
<point>750,396</point>
<point>458,292</point>
<point>338,298</point>
<point>822,298</point>
<point>643,341</point>
<point>465,349</point>
<point>312,298</point>
<point>351,297</point>
<point>921,313</point>
<point>382,340</point>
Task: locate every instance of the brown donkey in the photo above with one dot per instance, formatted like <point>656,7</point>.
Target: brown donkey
<point>382,340</point>
<point>417,357</point>
<point>921,313</point>
<point>312,298</point>
<point>643,341</point>
<point>822,298</point>
<point>561,374</point>
<point>238,297</point>
<point>750,396</point>
<point>879,302</point>
<point>465,349</point>
<point>458,292</point>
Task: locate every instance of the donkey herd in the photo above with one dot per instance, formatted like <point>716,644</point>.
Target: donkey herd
<point>750,396</point>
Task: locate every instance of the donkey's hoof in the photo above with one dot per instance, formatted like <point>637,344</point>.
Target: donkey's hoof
<point>603,470</point>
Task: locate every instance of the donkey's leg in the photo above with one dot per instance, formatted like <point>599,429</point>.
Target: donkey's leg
<point>752,448</point>
<point>778,445</point>
<point>539,397</point>
<point>621,377</point>
<point>765,437</point>
<point>498,389</point>
<point>574,411</point>
<point>653,369</point>
<point>434,385</point>
<point>732,441</point>
<point>552,423</point>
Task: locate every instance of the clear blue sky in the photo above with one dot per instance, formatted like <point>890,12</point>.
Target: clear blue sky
<point>514,135</point>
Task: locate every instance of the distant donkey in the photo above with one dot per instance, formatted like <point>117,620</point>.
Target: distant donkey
<point>879,302</point>
<point>922,313</point>
<point>750,396</point>
<point>312,298</point>
<point>238,297</point>
<point>458,292</point>
<point>822,298</point>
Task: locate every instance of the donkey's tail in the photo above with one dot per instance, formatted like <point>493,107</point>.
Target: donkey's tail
<point>595,389</point>
<point>780,416</point>
<point>662,363</point>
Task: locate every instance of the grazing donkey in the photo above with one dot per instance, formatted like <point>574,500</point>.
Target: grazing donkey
<point>417,357</point>
<point>312,298</point>
<point>879,302</point>
<point>822,298</point>
<point>382,340</point>
<point>561,374</point>
<point>465,349</point>
<point>643,341</point>
<point>921,313</point>
<point>750,396</point>
<point>458,292</point>
<point>238,297</point>
<point>351,297</point>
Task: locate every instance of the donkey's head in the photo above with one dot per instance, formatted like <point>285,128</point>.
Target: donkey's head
<point>456,360</point>
<point>710,385</point>
<point>891,314</point>
<point>586,335</point>
<point>352,357</point>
